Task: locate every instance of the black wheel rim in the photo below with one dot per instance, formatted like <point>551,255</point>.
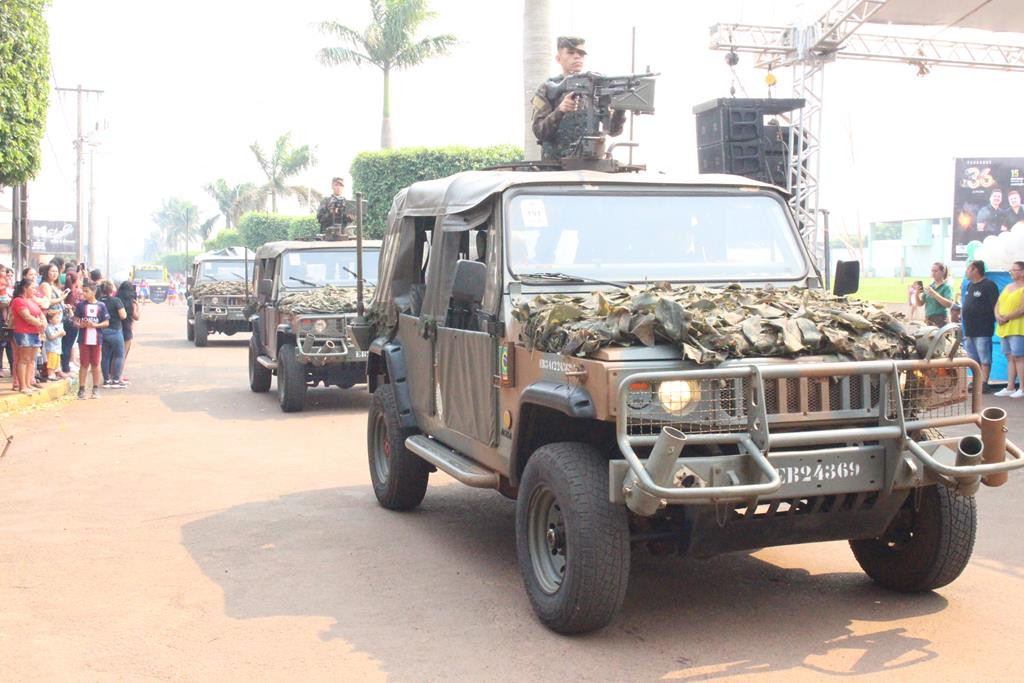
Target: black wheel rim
<point>381,450</point>
<point>546,538</point>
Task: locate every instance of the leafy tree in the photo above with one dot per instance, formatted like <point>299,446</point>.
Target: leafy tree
<point>25,87</point>
<point>284,162</point>
<point>228,237</point>
<point>234,200</point>
<point>387,43</point>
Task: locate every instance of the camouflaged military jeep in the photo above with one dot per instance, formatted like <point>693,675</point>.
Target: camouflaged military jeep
<point>306,298</point>
<point>641,360</point>
<point>218,288</point>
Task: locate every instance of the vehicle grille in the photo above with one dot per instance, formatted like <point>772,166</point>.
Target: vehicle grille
<point>723,404</point>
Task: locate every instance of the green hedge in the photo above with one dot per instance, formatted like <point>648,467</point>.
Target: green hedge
<point>227,237</point>
<point>380,175</point>
<point>25,84</point>
<point>258,227</point>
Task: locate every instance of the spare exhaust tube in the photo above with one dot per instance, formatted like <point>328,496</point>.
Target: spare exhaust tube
<point>660,466</point>
<point>993,436</point>
<point>968,453</point>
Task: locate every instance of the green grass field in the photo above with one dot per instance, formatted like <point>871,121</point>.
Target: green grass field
<point>890,290</point>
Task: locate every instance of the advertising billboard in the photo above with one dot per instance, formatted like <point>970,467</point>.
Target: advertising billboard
<point>53,237</point>
<point>986,200</point>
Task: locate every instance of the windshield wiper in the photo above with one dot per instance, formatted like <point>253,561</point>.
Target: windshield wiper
<point>240,277</point>
<point>568,277</point>
<point>299,279</point>
<point>210,276</point>
<point>356,276</point>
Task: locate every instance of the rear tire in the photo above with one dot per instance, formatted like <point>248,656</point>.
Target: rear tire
<point>399,476</point>
<point>922,549</point>
<point>190,331</point>
<point>291,380</point>
<point>201,332</point>
<point>259,376</point>
<point>571,541</point>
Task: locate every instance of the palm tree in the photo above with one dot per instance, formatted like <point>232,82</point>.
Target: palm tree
<point>234,200</point>
<point>536,64</point>
<point>178,219</point>
<point>285,162</point>
<point>387,43</point>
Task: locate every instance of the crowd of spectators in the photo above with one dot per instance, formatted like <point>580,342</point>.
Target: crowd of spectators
<point>63,318</point>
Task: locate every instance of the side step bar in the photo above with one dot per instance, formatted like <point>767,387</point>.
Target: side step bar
<point>452,463</point>
<point>266,362</point>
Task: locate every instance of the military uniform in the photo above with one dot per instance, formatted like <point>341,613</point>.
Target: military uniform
<point>557,131</point>
<point>324,215</point>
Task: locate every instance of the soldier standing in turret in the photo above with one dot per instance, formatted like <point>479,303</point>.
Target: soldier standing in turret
<point>333,209</point>
<point>558,125</point>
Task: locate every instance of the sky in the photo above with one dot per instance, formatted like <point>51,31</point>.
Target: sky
<point>189,85</point>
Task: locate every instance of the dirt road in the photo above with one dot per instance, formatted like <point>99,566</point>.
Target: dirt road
<point>187,529</point>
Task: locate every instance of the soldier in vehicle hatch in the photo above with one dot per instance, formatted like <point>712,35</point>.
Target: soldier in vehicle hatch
<point>558,125</point>
<point>334,209</point>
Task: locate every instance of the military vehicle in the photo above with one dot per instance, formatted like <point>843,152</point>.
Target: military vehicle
<point>218,289</point>
<point>306,294</point>
<point>518,341</point>
<point>155,277</point>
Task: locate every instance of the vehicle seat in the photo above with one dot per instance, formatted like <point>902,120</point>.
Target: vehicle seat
<point>467,293</point>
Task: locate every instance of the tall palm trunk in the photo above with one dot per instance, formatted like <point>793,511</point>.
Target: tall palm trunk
<point>385,123</point>
<point>537,57</point>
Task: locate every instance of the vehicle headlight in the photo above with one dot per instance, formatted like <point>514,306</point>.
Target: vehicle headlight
<point>320,326</point>
<point>676,396</point>
<point>214,300</point>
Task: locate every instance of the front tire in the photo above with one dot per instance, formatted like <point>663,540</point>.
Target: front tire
<point>190,331</point>
<point>571,541</point>
<point>201,333</point>
<point>291,380</point>
<point>259,376</point>
<point>922,549</point>
<point>399,476</point>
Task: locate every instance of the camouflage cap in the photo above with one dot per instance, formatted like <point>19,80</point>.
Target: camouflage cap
<point>572,43</point>
<point>337,179</point>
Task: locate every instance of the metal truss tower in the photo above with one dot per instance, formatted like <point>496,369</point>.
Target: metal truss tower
<point>837,34</point>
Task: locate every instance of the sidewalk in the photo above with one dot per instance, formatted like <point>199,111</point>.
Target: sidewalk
<point>11,401</point>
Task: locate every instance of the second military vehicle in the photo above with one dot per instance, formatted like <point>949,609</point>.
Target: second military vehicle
<point>642,360</point>
<point>306,295</point>
<point>218,289</point>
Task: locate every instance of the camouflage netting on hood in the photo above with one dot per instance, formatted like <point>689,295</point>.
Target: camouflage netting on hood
<point>220,288</point>
<point>326,299</point>
<point>711,325</point>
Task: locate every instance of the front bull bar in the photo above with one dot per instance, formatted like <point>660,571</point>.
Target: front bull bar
<point>644,493</point>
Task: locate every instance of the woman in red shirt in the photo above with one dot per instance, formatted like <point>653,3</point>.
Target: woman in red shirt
<point>28,321</point>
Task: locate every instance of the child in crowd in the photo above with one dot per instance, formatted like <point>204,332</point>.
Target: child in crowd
<point>91,316</point>
<point>144,292</point>
<point>54,332</point>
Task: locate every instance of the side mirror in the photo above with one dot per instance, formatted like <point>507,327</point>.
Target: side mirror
<point>190,281</point>
<point>847,280</point>
<point>266,287</point>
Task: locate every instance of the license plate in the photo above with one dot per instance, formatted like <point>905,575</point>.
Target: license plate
<point>830,473</point>
<point>362,355</point>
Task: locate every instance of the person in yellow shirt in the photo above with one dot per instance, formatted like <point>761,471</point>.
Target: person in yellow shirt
<point>1010,319</point>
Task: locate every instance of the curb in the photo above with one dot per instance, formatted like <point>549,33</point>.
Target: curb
<point>11,402</point>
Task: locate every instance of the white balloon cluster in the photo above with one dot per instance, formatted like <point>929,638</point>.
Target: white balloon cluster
<point>999,251</point>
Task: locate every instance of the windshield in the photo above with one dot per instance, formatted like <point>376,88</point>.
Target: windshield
<point>149,274</point>
<point>211,271</point>
<point>316,268</point>
<point>652,237</point>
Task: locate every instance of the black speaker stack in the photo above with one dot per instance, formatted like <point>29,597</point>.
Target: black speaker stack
<point>734,137</point>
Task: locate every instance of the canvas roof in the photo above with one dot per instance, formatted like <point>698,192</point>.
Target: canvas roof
<point>274,249</point>
<point>225,254</point>
<point>465,190</point>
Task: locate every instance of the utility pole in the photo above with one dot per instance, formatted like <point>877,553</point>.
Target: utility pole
<point>107,269</point>
<point>79,142</point>
<point>92,207</point>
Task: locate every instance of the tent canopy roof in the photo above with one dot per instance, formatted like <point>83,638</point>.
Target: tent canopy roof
<point>985,15</point>
<point>275,249</point>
